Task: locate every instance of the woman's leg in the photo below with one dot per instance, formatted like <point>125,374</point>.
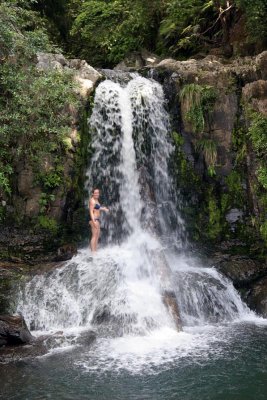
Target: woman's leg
<point>97,234</point>
<point>94,237</point>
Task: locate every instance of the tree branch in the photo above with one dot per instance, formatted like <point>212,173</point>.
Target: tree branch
<point>219,17</point>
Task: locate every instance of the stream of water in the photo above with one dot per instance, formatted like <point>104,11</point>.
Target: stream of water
<point>120,293</point>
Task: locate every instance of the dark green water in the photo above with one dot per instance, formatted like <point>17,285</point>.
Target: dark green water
<point>224,363</point>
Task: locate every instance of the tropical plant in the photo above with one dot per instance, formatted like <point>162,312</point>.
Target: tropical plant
<point>198,102</point>
<point>257,132</point>
<point>209,151</point>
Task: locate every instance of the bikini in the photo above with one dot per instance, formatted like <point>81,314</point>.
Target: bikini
<point>96,207</point>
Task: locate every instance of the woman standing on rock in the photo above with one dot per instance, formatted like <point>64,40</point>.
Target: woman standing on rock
<point>94,214</point>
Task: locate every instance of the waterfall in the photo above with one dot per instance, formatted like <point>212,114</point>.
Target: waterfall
<point>131,147</point>
<point>120,290</point>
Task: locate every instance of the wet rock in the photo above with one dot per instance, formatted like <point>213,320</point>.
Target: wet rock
<point>256,297</point>
<point>66,252</point>
<point>86,338</point>
<point>17,353</point>
<point>102,315</point>
<point>32,206</point>
<point>255,93</point>
<point>137,60</point>
<point>247,69</point>
<point>226,77</point>
<point>170,302</point>
<point>21,245</point>
<point>242,270</point>
<point>43,344</point>
<point>14,331</point>
<point>25,181</point>
<point>166,281</point>
<point>11,275</point>
<point>234,215</point>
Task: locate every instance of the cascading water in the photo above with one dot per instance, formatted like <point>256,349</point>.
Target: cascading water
<point>120,291</point>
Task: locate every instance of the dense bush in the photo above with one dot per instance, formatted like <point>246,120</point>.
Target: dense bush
<point>106,31</point>
<point>34,122</point>
<point>256,16</point>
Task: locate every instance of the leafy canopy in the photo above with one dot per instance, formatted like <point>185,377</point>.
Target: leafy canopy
<point>104,32</point>
<point>108,30</point>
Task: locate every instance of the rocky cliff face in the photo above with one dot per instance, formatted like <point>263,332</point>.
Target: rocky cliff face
<point>215,104</point>
<point>46,205</point>
<point>219,115</point>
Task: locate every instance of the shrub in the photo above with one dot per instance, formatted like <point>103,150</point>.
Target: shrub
<point>49,224</point>
<point>198,102</point>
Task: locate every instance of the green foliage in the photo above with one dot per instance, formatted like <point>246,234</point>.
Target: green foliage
<point>209,150</point>
<point>182,22</point>
<point>239,142</point>
<point>178,139</point>
<point>29,100</point>
<point>235,188</point>
<point>235,193</point>
<point>183,170</point>
<point>108,31</point>
<point>49,224</point>
<point>22,31</point>
<point>256,16</point>
<point>4,175</point>
<point>52,178</point>
<point>35,106</point>
<point>262,176</point>
<point>45,202</point>
<point>198,102</point>
<point>34,118</point>
<point>57,16</point>
<point>214,225</point>
<point>190,96</point>
<point>263,231</point>
<point>105,31</point>
<point>257,133</point>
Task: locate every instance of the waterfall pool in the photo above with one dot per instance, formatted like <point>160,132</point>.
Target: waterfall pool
<point>216,363</point>
<point>138,353</point>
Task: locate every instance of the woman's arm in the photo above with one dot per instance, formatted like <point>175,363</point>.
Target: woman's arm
<point>104,209</point>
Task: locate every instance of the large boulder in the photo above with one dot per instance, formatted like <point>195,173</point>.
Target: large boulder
<point>84,74</point>
<point>261,62</point>
<point>14,331</point>
<point>256,297</point>
<point>249,276</point>
<point>255,93</point>
<point>242,270</point>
